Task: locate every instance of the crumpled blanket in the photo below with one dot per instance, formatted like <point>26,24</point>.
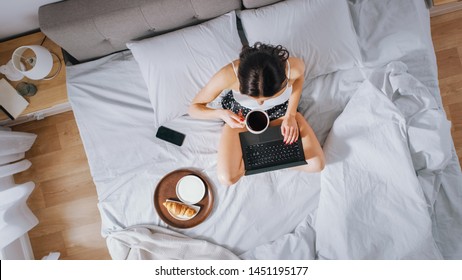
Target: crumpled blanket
<point>149,242</point>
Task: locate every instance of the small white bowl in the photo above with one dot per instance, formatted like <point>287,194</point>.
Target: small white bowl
<point>190,189</point>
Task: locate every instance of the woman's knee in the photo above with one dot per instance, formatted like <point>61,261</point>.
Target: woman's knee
<point>227,179</point>
<point>299,117</point>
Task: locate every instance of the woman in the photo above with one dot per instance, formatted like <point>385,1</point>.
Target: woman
<point>264,77</point>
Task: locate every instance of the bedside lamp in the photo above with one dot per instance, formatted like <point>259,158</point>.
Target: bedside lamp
<point>40,62</point>
<point>10,72</point>
<point>35,65</point>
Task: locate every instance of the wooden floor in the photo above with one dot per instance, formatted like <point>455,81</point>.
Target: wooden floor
<point>447,40</point>
<point>64,199</point>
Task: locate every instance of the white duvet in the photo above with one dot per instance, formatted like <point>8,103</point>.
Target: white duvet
<point>383,194</point>
<point>371,204</point>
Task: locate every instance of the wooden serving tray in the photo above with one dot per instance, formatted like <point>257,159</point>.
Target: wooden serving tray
<point>166,189</point>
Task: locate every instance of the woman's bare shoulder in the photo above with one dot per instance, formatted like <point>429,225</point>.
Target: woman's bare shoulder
<point>225,77</point>
<point>297,67</point>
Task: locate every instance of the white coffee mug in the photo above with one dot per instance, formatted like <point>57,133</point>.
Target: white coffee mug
<point>257,121</point>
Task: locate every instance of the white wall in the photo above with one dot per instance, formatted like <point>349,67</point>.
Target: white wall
<point>19,16</point>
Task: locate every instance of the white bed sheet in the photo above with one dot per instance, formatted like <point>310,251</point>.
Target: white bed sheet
<point>269,215</point>
<point>127,162</point>
<point>385,30</point>
<point>371,204</point>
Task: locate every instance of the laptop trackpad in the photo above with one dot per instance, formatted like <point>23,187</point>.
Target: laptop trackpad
<point>273,133</point>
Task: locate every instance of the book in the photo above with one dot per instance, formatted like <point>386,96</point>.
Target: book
<point>11,102</point>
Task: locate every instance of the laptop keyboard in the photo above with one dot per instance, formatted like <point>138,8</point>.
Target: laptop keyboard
<point>271,153</point>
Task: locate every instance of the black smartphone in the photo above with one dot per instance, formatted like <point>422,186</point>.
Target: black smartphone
<point>170,135</point>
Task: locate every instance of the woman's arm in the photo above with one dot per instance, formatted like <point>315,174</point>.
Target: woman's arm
<point>313,152</point>
<point>223,79</point>
<point>289,126</point>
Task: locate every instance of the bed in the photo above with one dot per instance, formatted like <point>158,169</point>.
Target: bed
<point>392,185</point>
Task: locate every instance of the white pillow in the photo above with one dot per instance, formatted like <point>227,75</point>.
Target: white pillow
<point>175,66</point>
<point>318,31</point>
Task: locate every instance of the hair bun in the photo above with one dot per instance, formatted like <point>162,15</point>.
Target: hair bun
<point>262,69</point>
<point>278,50</point>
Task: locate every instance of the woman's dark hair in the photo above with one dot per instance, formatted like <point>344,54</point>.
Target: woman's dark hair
<point>262,69</point>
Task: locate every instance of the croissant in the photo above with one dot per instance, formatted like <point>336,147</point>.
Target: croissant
<point>179,209</point>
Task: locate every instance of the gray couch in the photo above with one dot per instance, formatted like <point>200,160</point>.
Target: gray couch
<point>89,29</point>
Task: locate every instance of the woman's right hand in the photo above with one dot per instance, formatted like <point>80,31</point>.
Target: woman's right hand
<point>233,120</point>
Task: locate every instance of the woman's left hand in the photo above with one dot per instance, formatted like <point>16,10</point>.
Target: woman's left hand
<point>289,129</point>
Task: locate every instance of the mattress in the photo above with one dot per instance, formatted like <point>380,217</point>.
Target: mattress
<point>282,214</point>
